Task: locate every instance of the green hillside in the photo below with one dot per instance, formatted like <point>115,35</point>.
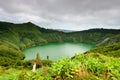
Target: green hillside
<point>112,50</point>
<point>110,40</point>
<point>16,37</point>
<point>100,63</point>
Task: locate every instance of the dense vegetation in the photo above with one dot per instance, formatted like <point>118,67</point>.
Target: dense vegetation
<point>112,50</point>
<point>81,67</point>
<point>101,63</point>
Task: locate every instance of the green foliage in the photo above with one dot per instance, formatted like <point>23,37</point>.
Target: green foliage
<point>47,62</point>
<point>101,66</point>
<point>10,74</point>
<point>112,50</point>
<point>31,76</point>
<point>63,68</point>
<point>81,67</point>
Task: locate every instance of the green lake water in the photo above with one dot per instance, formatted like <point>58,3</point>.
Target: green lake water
<point>57,50</point>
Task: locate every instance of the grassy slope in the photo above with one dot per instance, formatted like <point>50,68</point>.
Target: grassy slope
<point>112,50</point>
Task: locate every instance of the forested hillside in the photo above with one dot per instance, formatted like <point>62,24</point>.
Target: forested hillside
<point>100,63</point>
<point>16,37</point>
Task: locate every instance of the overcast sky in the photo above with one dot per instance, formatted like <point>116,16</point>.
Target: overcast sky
<point>63,14</point>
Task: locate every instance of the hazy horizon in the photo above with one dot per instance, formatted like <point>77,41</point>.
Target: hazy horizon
<point>63,14</point>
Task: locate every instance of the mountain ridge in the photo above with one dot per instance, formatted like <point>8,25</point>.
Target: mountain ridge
<point>16,37</point>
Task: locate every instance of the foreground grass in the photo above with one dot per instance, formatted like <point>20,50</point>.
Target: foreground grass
<point>80,67</point>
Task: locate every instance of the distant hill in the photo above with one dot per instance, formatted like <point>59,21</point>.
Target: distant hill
<point>66,31</point>
<point>16,37</point>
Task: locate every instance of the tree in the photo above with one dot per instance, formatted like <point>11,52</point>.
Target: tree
<point>37,62</point>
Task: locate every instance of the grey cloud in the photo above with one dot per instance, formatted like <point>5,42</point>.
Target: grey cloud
<point>62,13</point>
<point>60,6</point>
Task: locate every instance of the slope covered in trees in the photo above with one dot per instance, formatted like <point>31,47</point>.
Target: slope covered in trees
<point>16,37</point>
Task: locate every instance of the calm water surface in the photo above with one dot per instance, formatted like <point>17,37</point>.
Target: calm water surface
<point>57,50</point>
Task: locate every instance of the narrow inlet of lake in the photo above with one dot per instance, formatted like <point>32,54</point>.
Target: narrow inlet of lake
<point>56,50</point>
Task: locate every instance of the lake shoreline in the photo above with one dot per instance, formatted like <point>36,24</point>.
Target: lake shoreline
<point>60,46</point>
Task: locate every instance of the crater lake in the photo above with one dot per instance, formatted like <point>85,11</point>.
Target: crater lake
<point>57,50</point>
